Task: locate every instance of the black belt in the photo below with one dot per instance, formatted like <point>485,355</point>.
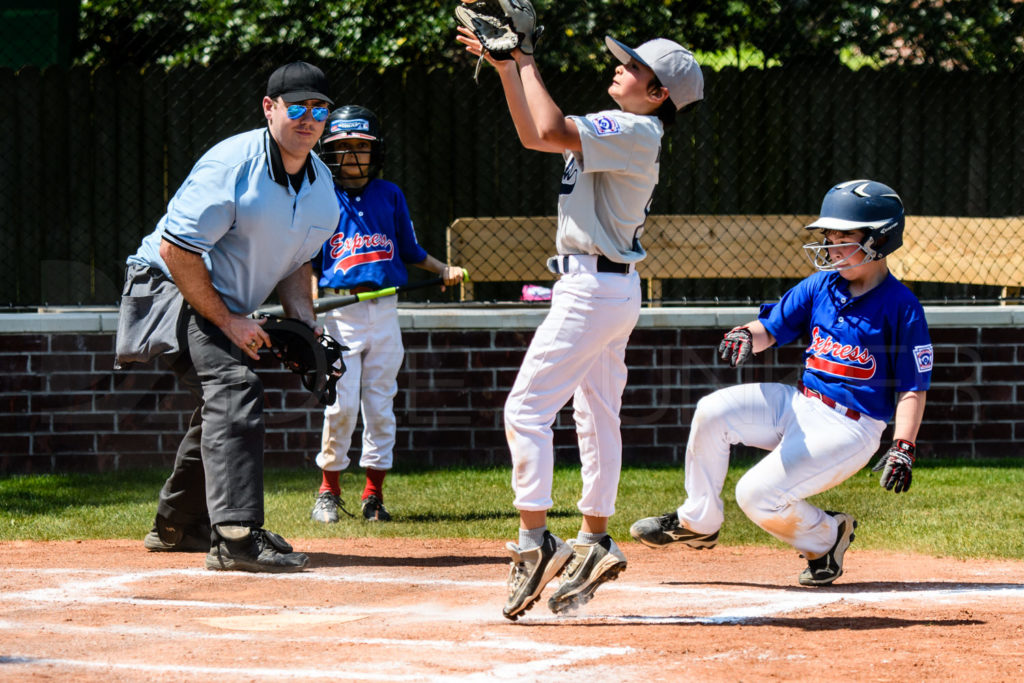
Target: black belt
<point>604,265</point>
<point>560,264</point>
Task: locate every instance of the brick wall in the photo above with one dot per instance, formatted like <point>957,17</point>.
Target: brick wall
<point>63,408</point>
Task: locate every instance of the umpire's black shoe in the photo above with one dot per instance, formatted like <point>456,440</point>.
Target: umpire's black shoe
<point>251,549</point>
<point>829,567</point>
<point>166,536</point>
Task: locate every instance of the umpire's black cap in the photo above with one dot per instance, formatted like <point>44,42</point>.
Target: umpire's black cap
<point>297,82</point>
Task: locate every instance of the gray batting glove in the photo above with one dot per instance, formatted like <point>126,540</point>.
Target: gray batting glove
<point>896,466</point>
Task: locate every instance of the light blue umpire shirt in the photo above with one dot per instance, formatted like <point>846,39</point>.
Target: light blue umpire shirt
<point>238,211</point>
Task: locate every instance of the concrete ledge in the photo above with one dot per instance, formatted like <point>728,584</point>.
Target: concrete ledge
<point>99,321</point>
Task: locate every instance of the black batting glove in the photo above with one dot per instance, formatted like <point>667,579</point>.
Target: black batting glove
<point>896,466</point>
<point>736,346</point>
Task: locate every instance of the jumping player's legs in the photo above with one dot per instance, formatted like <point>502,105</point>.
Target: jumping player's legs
<point>596,405</point>
<point>588,314</point>
<point>819,450</point>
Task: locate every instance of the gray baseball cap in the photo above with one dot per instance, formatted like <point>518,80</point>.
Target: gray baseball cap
<point>672,63</point>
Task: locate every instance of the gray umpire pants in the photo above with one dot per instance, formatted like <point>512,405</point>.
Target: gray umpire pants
<point>218,470</point>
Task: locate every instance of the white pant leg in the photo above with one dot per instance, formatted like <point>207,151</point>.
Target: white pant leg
<point>382,359</point>
<point>589,313</point>
<point>819,450</point>
<point>348,328</point>
<point>746,413</point>
<point>596,405</point>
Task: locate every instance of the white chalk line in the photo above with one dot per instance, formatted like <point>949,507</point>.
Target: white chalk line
<point>234,673</point>
<point>495,643</point>
<point>744,605</point>
<point>556,655</point>
<point>755,604</point>
<point>77,592</point>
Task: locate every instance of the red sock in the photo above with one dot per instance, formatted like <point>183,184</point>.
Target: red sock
<point>331,482</point>
<point>374,484</point>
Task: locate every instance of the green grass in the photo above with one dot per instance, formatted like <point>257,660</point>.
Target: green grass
<point>955,509</point>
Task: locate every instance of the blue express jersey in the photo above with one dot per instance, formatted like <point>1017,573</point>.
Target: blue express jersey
<point>373,242</point>
<point>863,350</point>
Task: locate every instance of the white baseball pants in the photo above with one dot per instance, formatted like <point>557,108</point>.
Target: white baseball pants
<point>812,447</point>
<point>578,352</point>
<point>370,329</point>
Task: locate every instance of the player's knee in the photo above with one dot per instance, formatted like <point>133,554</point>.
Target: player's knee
<point>513,413</point>
<point>710,411</point>
<point>758,501</point>
<point>711,408</point>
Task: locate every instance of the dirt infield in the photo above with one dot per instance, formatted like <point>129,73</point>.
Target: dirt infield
<point>403,610</point>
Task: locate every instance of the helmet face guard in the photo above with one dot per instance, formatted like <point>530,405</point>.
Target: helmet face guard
<point>352,122</point>
<point>863,205</point>
<point>336,159</point>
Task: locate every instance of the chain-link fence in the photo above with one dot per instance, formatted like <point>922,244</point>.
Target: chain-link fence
<point>93,153</point>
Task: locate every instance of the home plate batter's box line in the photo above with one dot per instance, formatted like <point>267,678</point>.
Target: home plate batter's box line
<point>495,642</point>
<point>510,672</point>
<point>737,603</point>
<point>551,655</point>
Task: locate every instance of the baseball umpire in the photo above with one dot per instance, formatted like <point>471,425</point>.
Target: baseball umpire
<point>252,212</point>
<point>869,357</point>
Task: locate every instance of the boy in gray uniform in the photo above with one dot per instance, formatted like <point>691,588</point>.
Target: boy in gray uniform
<point>611,168</point>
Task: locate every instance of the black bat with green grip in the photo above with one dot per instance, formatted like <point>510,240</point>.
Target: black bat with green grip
<point>332,302</point>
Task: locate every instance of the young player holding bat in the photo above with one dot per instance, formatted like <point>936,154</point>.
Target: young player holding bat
<point>368,251</point>
<point>611,169</point>
<point>869,358</point>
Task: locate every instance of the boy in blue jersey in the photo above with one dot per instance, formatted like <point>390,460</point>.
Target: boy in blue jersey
<point>869,358</point>
<point>373,242</point>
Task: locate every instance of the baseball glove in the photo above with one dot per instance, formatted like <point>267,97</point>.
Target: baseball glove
<point>501,26</point>
<point>316,359</point>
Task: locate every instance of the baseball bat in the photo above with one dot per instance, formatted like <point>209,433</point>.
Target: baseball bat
<point>332,302</point>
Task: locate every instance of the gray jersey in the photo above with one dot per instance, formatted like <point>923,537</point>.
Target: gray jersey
<point>607,188</point>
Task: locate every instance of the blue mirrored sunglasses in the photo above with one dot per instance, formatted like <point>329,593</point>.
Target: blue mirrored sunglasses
<point>297,111</point>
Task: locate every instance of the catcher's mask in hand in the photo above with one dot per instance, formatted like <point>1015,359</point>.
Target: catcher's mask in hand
<point>316,359</point>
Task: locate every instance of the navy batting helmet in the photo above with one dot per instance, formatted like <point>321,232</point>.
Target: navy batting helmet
<point>864,205</point>
<point>352,122</point>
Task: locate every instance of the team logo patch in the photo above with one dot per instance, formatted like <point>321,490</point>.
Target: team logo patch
<point>605,125</point>
<point>923,357</point>
<point>352,125</point>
